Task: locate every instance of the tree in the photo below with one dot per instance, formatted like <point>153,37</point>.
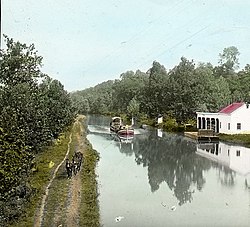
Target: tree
<point>239,85</point>
<point>183,95</point>
<point>124,90</point>
<point>228,62</point>
<point>20,109</point>
<point>57,106</point>
<point>14,162</point>
<point>155,90</point>
<point>133,107</point>
<point>19,64</point>
<point>211,93</point>
<point>33,112</point>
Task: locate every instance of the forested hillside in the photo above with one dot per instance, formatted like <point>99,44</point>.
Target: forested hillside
<point>178,92</point>
<point>35,109</point>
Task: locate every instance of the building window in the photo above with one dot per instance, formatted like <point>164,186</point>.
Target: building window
<point>228,126</point>
<point>238,126</point>
<point>220,124</point>
<point>238,153</point>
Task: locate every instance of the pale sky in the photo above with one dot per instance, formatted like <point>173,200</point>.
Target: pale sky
<point>86,42</point>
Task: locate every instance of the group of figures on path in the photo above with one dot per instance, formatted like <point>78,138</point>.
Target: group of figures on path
<point>75,165</point>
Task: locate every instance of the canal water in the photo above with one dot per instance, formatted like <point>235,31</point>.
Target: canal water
<point>162,179</point>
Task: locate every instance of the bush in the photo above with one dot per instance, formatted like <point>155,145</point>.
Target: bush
<point>170,124</point>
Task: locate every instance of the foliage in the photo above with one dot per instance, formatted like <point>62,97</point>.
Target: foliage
<point>229,58</point>
<point>179,92</point>
<point>124,90</point>
<point>183,91</point>
<point>14,159</point>
<point>155,89</point>
<point>41,175</point>
<point>228,62</point>
<point>35,109</point>
<point>133,107</point>
<point>170,124</point>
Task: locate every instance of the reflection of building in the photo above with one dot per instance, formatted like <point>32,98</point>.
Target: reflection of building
<point>232,119</point>
<point>236,158</point>
<point>159,132</point>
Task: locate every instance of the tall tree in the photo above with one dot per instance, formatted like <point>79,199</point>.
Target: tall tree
<point>182,83</point>
<point>228,62</point>
<point>124,90</point>
<point>155,90</point>
<point>211,92</point>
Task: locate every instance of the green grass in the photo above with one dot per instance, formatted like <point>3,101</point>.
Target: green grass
<point>41,177</point>
<point>57,198</point>
<point>89,211</point>
<point>243,139</point>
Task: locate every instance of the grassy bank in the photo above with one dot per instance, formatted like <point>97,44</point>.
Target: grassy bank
<point>57,203</point>
<point>89,212</point>
<point>242,139</point>
<point>40,178</point>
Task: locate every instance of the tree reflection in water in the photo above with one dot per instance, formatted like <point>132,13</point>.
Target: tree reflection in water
<point>225,174</point>
<point>172,159</point>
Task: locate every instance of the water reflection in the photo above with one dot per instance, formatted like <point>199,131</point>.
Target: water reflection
<point>234,159</point>
<point>171,159</point>
<point>179,162</point>
<point>125,143</point>
<point>142,178</point>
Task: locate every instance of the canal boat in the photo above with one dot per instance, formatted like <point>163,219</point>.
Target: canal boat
<point>117,126</point>
<point>125,131</point>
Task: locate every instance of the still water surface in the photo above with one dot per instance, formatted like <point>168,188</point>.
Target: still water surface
<point>162,179</point>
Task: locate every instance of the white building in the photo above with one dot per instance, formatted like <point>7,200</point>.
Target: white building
<point>233,119</point>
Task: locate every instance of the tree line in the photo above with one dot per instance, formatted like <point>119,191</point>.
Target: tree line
<point>35,109</point>
<point>177,93</point>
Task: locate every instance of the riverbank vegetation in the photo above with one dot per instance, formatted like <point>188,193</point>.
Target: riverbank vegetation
<point>242,139</point>
<point>175,93</point>
<point>35,111</point>
<point>69,201</point>
<point>39,178</point>
<point>89,212</point>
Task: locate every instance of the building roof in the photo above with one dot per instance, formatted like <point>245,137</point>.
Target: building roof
<point>231,108</point>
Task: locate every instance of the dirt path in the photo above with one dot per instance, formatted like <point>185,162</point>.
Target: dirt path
<point>41,213</point>
<point>74,194</point>
<point>72,218</point>
<point>62,198</point>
